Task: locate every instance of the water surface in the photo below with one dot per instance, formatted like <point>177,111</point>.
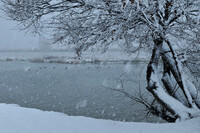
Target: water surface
<point>75,89</point>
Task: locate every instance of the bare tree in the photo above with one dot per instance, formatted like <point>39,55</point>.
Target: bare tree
<point>163,26</point>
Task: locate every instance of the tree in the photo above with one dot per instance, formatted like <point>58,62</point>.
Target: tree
<point>169,28</point>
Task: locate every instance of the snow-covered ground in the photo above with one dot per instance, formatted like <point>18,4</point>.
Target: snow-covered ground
<point>15,119</point>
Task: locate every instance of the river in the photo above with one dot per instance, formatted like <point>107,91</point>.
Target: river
<point>76,89</point>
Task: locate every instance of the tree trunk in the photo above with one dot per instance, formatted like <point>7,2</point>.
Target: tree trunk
<point>165,96</point>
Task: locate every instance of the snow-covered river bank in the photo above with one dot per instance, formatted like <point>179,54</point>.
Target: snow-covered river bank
<point>68,57</point>
<point>16,119</point>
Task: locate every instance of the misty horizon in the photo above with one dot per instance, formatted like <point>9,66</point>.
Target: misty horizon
<point>13,39</point>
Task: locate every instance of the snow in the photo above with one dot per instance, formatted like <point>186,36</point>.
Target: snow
<point>27,68</point>
<point>128,67</point>
<point>15,119</point>
<point>193,91</point>
<point>81,104</point>
<point>62,56</point>
<point>170,102</point>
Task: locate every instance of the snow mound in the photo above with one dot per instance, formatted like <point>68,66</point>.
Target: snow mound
<point>15,119</point>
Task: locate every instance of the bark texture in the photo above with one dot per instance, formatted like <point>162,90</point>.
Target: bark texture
<point>182,107</point>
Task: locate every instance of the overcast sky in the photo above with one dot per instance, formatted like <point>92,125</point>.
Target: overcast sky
<point>11,38</point>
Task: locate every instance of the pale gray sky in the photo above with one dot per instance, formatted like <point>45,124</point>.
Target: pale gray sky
<point>11,38</point>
